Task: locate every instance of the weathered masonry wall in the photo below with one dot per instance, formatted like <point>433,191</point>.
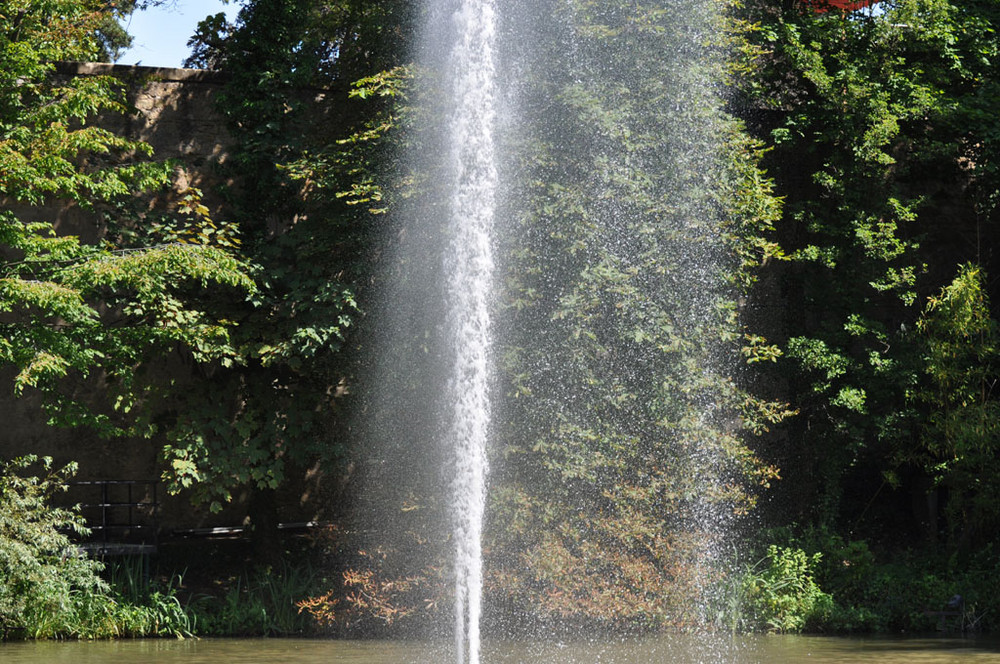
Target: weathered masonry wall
<point>175,111</point>
<point>175,114</point>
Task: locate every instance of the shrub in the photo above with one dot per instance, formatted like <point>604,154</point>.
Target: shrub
<point>781,594</point>
<point>47,588</point>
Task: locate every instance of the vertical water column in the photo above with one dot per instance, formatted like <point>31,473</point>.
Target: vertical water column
<point>468,273</point>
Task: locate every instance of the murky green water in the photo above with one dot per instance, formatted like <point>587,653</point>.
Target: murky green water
<point>676,648</point>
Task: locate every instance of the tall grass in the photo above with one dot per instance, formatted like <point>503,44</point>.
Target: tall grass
<point>261,602</point>
<point>143,606</point>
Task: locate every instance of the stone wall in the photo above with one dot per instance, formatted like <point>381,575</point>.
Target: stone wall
<point>174,112</point>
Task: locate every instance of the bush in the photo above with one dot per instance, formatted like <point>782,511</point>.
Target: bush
<point>47,588</point>
<point>780,593</point>
<point>901,596</point>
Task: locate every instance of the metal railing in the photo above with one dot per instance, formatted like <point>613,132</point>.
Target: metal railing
<point>122,515</point>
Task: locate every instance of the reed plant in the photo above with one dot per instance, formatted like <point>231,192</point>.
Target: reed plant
<point>145,606</point>
<point>260,602</point>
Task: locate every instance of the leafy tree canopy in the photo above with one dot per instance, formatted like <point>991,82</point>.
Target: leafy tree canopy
<point>85,318</point>
<point>887,156</point>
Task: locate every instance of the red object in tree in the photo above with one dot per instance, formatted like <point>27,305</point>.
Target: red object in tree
<point>822,6</point>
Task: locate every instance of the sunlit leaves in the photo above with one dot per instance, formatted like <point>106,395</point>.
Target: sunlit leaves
<point>309,152</point>
<point>642,215</point>
<point>86,312</point>
<point>45,591</point>
<point>886,159</point>
<point>958,438</point>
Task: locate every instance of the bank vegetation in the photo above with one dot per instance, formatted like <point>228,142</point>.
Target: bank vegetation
<point>851,351</point>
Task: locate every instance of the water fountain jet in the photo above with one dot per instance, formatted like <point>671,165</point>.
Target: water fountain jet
<point>589,217</point>
<point>471,176</point>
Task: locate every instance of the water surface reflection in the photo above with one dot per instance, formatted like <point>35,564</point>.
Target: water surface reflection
<point>673,649</point>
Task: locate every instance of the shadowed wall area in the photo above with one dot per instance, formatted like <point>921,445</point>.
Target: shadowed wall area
<point>174,111</point>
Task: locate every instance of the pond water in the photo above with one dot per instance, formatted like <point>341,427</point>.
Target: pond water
<point>674,648</point>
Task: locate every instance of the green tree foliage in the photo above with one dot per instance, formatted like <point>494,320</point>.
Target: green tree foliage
<point>84,318</point>
<point>885,159</point>
<point>959,434</point>
<point>304,158</point>
<point>637,227</point>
